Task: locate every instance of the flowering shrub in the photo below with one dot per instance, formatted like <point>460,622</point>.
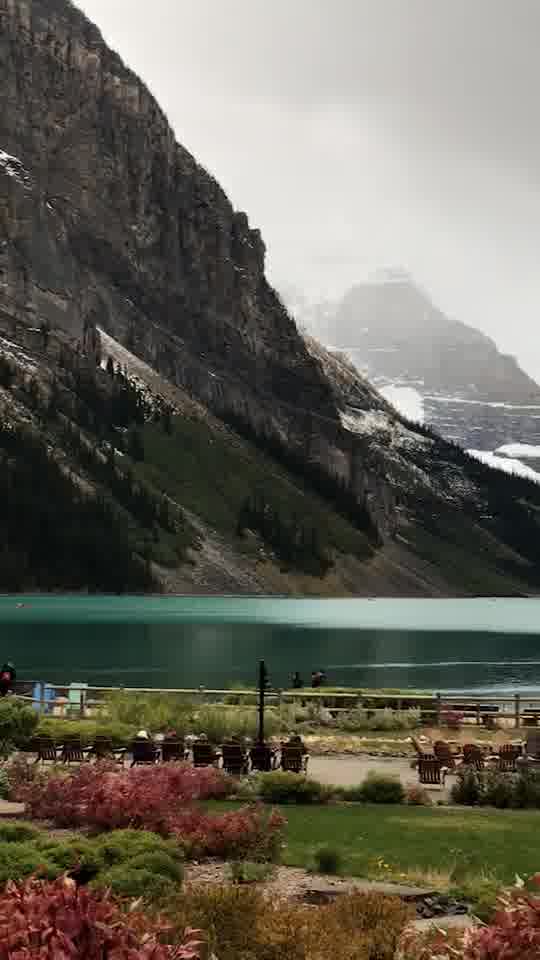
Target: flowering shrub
<point>48,921</point>
<point>101,796</point>
<point>249,833</point>
<point>160,799</point>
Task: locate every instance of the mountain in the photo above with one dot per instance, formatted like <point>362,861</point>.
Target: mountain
<point>157,396</point>
<point>470,392</point>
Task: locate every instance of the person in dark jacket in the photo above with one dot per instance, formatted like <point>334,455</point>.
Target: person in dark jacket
<point>297,681</point>
<point>7,679</point>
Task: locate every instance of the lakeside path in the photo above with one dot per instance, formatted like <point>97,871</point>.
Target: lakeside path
<point>350,771</point>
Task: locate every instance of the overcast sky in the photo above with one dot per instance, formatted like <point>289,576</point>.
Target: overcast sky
<point>360,134</point>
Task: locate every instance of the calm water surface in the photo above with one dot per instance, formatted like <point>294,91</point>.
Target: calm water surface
<point>481,645</point>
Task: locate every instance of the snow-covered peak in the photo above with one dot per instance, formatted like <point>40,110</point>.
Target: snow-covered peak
<point>14,168</point>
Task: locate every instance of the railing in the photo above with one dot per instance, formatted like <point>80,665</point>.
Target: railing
<point>523,710</point>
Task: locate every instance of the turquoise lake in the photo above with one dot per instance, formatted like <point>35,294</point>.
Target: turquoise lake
<point>482,645</point>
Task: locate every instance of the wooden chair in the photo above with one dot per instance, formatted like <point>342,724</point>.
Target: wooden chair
<point>263,758</point>
<point>46,749</point>
<point>235,759</point>
<point>508,757</point>
<point>72,751</point>
<point>204,755</point>
<point>431,771</point>
<point>443,753</point>
<point>173,751</point>
<point>473,756</point>
<point>532,746</point>
<point>143,752</point>
<point>104,749</point>
<point>293,758</point>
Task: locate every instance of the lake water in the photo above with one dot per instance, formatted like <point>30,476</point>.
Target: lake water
<point>447,645</point>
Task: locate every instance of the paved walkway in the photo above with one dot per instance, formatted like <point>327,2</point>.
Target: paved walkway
<point>350,771</point>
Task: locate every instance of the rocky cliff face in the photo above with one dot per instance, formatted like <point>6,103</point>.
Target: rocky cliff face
<point>107,220</point>
<point>107,223</point>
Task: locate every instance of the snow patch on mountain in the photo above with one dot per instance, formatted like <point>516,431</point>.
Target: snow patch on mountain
<point>406,400</point>
<point>519,450</point>
<point>508,464</point>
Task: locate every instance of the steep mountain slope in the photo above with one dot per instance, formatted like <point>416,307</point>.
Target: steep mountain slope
<point>470,392</point>
<point>112,237</point>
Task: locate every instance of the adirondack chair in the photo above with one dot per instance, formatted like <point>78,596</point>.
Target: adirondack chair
<point>431,771</point>
<point>46,749</point>
<point>473,756</point>
<point>204,755</point>
<point>263,758</point>
<point>508,757</point>
<point>143,752</point>
<point>173,750</point>
<point>532,747</point>
<point>293,758</point>
<point>73,751</point>
<point>443,753</point>
<point>104,749</point>
<point>235,759</point>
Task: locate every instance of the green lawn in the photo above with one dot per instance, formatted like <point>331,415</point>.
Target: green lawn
<point>405,838</point>
<point>388,841</point>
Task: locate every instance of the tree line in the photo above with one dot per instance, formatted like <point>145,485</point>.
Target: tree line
<point>293,543</point>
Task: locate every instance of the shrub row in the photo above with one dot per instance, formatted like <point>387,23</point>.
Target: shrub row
<point>129,862</point>
<point>161,799</point>
<point>51,920</point>
<point>281,788</point>
<point>491,788</point>
<point>241,924</point>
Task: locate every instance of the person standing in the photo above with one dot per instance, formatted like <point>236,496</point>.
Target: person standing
<point>7,679</point>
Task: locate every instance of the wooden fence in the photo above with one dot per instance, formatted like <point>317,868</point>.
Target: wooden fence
<point>435,708</point>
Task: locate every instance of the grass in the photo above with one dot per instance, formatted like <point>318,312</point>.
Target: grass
<point>392,841</point>
<point>400,842</point>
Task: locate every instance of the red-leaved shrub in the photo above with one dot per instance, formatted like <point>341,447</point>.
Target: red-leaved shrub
<point>513,934</point>
<point>161,799</point>
<point>102,796</point>
<point>59,921</point>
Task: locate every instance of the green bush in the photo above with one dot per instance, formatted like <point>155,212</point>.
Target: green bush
<point>120,733</point>
<point>20,860</point>
<point>158,862</point>
<point>122,845</point>
<point>351,794</point>
<point>498,790</point>
<point>17,832</point>
<point>284,787</point>
<point>360,719</point>
<point>468,788</point>
<point>220,723</point>
<point>18,722</point>
<point>245,871</point>
<point>380,788</point>
<point>124,881</point>
<point>150,711</point>
<point>526,793</point>
<point>328,860</point>
<point>77,855</point>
